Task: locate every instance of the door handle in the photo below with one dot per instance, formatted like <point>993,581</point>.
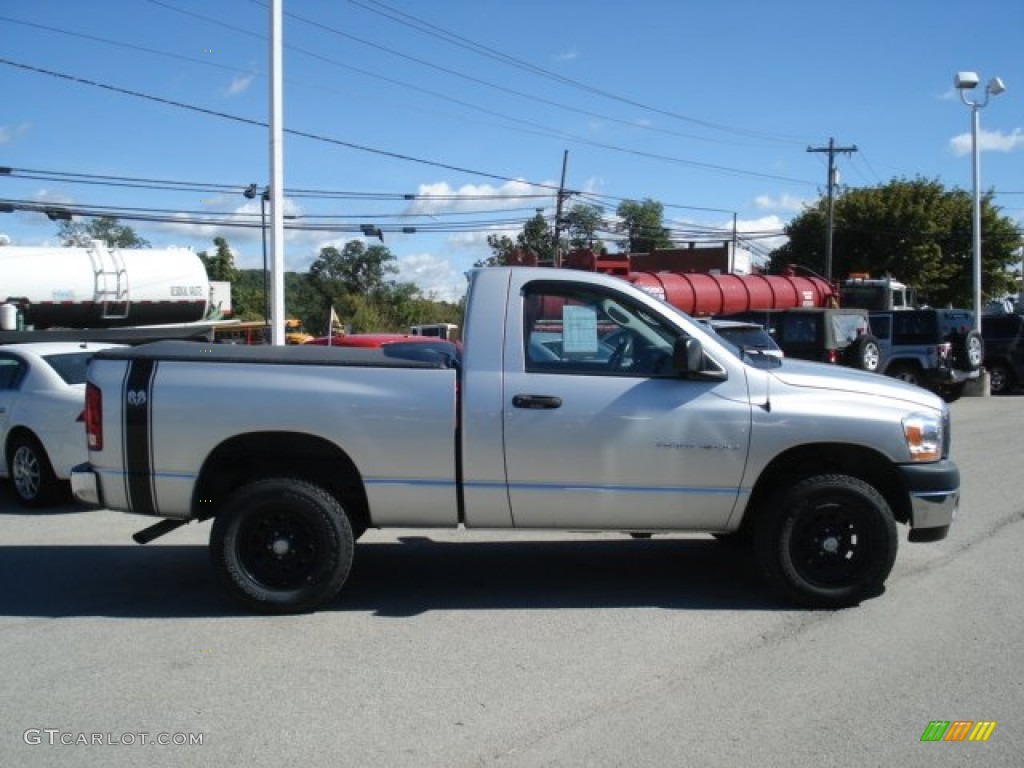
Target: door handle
<point>536,402</point>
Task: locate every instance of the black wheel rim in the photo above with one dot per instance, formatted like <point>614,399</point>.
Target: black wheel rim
<point>833,542</point>
<point>278,549</point>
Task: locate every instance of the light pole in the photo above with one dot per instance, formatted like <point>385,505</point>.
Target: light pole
<point>964,82</point>
<point>250,192</point>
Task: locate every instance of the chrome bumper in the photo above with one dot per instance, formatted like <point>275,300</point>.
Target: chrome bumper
<point>934,499</point>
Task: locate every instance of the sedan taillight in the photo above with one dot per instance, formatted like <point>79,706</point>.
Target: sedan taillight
<point>93,417</point>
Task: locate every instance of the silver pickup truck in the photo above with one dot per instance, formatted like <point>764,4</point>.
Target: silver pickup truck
<point>580,403</point>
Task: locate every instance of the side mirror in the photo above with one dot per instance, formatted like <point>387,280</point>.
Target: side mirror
<point>688,361</point>
<point>687,356</point>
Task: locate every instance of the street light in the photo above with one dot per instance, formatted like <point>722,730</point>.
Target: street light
<point>964,82</point>
<point>250,192</point>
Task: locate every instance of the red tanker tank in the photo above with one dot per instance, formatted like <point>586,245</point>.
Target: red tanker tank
<point>710,293</point>
<point>701,293</point>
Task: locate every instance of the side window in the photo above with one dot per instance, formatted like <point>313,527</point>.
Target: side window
<point>10,373</point>
<point>581,330</point>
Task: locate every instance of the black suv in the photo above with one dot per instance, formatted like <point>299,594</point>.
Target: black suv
<point>824,334</point>
<point>1004,351</point>
<point>933,348</point>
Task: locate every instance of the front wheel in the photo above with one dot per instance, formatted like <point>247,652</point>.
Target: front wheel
<point>1000,379</point>
<point>827,542</point>
<point>282,545</point>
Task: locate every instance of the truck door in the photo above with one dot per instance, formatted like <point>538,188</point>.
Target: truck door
<point>598,431</point>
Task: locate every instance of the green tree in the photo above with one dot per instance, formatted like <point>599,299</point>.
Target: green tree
<point>536,237</point>
<point>105,228</point>
<point>221,265</point>
<point>502,246</point>
<point>355,269</point>
<point>642,223</point>
<point>915,230</point>
<point>582,223</point>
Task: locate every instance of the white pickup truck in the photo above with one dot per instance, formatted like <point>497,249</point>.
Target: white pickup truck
<point>580,403</point>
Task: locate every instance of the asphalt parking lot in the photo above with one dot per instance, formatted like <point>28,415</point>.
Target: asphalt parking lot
<point>456,649</point>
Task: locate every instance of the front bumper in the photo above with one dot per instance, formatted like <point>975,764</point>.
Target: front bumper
<point>934,498</point>
<point>85,485</point>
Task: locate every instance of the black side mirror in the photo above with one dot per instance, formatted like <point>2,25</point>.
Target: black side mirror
<point>687,356</point>
<point>688,361</point>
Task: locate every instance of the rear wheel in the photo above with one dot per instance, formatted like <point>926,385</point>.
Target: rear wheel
<point>907,372</point>
<point>282,545</point>
<point>827,542</point>
<point>35,483</point>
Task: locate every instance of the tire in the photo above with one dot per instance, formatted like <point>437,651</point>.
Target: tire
<point>953,392</point>
<point>969,351</point>
<point>827,542</point>
<point>32,476</point>
<point>865,353</point>
<point>1000,379</point>
<point>907,372</point>
<point>282,545</point>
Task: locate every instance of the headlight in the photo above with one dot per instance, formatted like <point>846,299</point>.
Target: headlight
<point>923,434</point>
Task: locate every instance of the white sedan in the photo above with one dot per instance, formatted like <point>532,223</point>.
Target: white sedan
<point>42,399</point>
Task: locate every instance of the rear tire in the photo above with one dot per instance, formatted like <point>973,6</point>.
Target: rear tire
<point>907,372</point>
<point>827,542</point>
<point>32,476</point>
<point>282,545</point>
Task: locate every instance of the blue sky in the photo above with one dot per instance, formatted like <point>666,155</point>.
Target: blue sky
<point>452,116</point>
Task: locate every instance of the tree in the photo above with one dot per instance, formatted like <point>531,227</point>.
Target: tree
<point>355,269</point>
<point>641,222</point>
<point>915,230</point>
<point>582,222</point>
<point>502,246</point>
<point>104,228</point>
<point>536,237</point>
<point>220,266</point>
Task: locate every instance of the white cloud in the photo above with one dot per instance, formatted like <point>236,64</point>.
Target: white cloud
<point>571,55</point>
<point>240,84</point>
<point>9,133</point>
<point>782,203</point>
<point>988,141</point>
<point>441,197</point>
<point>435,276</point>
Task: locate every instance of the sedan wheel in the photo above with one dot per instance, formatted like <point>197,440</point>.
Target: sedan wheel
<point>35,484</point>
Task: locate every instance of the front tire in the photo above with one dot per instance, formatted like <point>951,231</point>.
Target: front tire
<point>282,545</point>
<point>1000,379</point>
<point>827,542</point>
<point>32,476</point>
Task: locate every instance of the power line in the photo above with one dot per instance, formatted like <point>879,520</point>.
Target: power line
<point>455,39</point>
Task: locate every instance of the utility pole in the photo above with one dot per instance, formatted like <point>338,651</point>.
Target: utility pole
<point>832,150</point>
<point>558,209</point>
